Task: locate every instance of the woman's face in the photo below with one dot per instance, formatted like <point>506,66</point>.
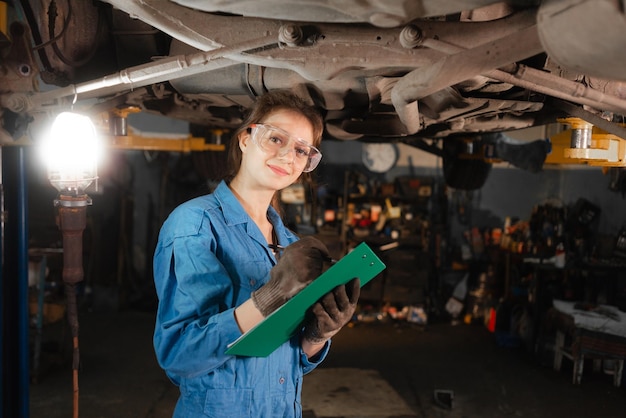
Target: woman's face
<point>275,170</point>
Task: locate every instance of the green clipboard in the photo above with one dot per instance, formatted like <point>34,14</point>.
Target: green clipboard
<point>281,324</point>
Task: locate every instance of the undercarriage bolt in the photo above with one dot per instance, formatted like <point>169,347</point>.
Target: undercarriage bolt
<point>24,70</point>
<point>411,37</point>
<point>290,34</point>
<point>16,102</point>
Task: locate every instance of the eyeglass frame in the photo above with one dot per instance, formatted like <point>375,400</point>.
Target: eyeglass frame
<point>312,160</point>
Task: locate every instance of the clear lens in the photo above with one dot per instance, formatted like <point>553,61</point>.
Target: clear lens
<point>275,140</point>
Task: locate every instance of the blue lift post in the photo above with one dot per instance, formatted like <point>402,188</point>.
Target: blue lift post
<point>15,319</point>
<point>23,316</point>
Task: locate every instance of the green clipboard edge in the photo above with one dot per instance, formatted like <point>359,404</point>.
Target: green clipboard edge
<point>281,324</point>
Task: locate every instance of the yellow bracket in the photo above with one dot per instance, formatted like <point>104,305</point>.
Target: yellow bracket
<point>605,149</point>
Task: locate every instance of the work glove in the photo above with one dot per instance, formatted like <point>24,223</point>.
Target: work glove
<point>299,264</point>
<point>332,312</point>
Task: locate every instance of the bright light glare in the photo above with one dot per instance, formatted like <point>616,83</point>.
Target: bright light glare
<point>71,152</point>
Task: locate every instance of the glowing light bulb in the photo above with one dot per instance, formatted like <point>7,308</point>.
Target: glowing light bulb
<point>71,152</point>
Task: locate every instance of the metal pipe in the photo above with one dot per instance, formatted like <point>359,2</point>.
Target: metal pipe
<point>23,316</point>
<point>168,16</point>
<point>165,69</point>
<point>545,83</point>
<point>420,83</point>
<point>458,67</point>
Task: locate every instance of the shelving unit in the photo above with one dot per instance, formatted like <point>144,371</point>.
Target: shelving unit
<point>401,221</point>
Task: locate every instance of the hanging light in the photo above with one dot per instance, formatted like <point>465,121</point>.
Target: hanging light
<point>71,152</point>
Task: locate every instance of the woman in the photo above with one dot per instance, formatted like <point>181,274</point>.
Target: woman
<point>217,276</point>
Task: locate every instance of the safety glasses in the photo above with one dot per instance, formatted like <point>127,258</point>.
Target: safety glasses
<point>278,141</point>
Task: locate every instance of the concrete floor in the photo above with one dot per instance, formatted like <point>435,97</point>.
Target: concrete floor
<point>373,371</point>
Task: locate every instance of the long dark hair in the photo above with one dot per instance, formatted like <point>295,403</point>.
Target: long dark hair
<point>266,104</point>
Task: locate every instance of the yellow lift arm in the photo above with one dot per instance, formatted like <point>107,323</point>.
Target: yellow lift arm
<point>586,144</point>
<point>140,142</point>
<point>115,134</point>
<point>121,137</point>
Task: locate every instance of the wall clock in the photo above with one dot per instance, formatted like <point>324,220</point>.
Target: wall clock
<point>380,157</point>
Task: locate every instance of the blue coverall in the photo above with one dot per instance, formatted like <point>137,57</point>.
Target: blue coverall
<point>209,258</point>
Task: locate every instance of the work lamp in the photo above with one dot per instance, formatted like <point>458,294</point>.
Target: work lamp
<point>71,152</point>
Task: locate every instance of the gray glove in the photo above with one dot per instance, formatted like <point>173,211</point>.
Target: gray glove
<point>299,264</point>
<point>332,312</point>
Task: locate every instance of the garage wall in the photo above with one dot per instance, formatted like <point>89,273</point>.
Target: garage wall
<point>508,191</point>
<point>523,190</point>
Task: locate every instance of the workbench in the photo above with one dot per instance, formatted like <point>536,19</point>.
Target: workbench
<point>585,331</point>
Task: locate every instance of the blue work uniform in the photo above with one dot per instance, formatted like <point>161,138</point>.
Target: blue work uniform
<point>209,258</point>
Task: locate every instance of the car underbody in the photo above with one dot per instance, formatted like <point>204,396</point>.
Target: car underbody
<point>403,71</point>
